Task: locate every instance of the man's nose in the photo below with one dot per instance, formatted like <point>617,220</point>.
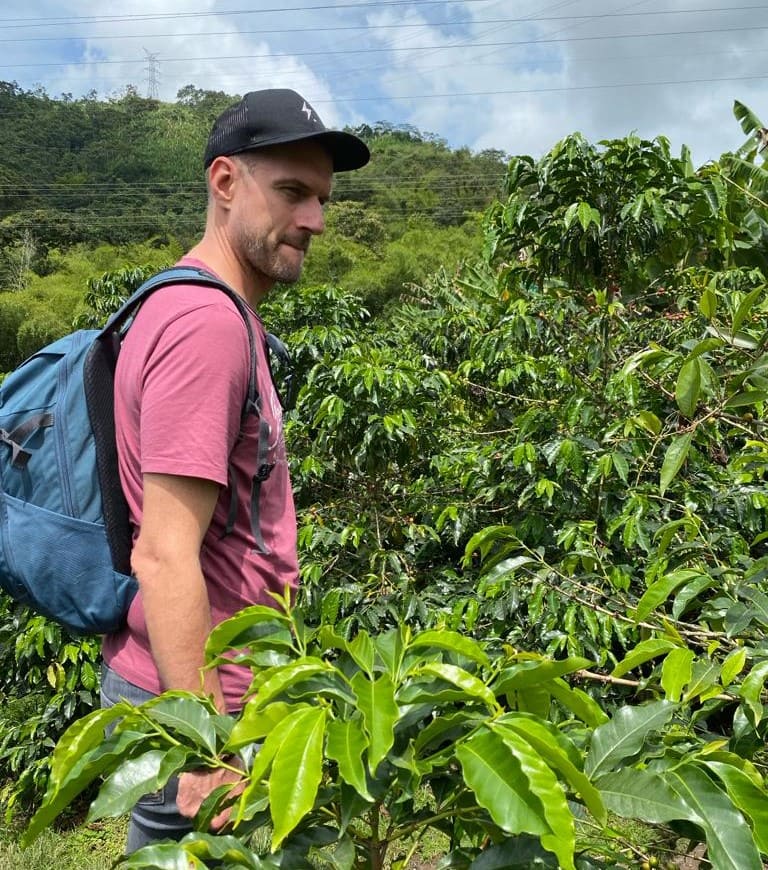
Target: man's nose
<point>312,217</point>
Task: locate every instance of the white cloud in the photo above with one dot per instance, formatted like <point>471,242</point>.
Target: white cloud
<point>208,51</point>
<point>558,78</point>
<point>514,85</point>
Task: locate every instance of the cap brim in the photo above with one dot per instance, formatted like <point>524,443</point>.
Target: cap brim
<point>346,150</point>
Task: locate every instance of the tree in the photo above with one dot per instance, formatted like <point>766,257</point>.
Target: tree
<point>20,259</point>
<point>555,453</point>
<point>366,743</point>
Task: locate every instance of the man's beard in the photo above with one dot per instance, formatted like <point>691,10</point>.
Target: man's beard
<point>267,260</point>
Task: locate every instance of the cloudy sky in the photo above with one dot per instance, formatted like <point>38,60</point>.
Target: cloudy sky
<point>516,75</point>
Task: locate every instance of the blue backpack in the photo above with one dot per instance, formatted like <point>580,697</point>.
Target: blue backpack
<point>65,537</point>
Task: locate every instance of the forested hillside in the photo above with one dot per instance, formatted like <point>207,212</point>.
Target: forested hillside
<point>533,537</point>
<point>84,174</point>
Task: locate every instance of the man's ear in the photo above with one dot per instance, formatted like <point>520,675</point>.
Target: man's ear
<point>222,174</point>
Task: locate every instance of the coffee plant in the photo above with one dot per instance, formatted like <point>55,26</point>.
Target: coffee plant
<point>532,527</point>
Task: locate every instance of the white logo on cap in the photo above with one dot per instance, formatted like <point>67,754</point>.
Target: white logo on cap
<point>308,110</point>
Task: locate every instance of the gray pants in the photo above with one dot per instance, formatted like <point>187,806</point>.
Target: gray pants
<point>155,816</point>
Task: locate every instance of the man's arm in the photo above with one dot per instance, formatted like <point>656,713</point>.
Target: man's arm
<point>166,560</point>
<point>176,513</point>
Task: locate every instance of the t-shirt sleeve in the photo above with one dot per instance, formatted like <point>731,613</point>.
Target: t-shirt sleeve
<point>194,385</point>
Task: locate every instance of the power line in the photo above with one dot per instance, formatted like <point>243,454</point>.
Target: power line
<point>565,88</point>
<point>198,191</point>
<point>166,16</point>
<point>194,188</point>
<point>518,91</point>
<point>96,220</point>
<point>377,27</point>
<point>369,50</point>
<point>677,55</point>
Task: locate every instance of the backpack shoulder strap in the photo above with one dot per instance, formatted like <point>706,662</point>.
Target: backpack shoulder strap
<point>120,321</point>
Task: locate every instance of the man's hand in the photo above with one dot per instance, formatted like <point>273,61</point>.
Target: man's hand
<point>196,785</point>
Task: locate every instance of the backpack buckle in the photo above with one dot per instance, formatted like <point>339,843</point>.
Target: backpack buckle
<point>19,456</point>
<point>264,471</point>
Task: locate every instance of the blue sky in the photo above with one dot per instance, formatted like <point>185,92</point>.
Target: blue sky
<point>515,75</point>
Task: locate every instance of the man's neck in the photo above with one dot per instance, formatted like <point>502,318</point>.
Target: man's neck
<point>240,277</point>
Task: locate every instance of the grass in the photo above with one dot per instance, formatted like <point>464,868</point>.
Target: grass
<point>85,847</point>
<point>96,846</point>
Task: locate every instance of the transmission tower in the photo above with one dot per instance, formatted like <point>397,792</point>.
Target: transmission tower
<point>152,70</point>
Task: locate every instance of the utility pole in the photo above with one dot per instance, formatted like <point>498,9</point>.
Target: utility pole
<point>153,73</point>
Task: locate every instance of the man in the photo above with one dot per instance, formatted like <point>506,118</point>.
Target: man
<point>180,387</point>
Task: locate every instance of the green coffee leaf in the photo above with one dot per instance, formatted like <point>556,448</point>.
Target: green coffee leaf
<point>470,685</point>
<point>645,651</point>
<point>297,769</point>
<point>649,421</point>
<point>676,672</point>
<point>347,745</point>
<point>494,774</point>
<point>451,641</point>
<point>733,666</point>
<point>578,702</point>
<point>746,398</point>
<point>163,856</point>
<point>759,602</point>
<point>285,677</point>
<point>658,592</point>
<point>544,784</point>
<point>362,651</point>
<point>256,722</point>
<point>751,690</point>
<point>81,736</point>
<point>224,850</point>
<point>730,844</point>
<point>588,215</point>
<point>376,701</point>
<point>81,774</point>
<point>676,454</point>
<point>184,715</point>
<point>704,682</point>
<point>525,674</point>
<point>559,753</point>
<point>624,735</point>
<point>391,646</point>
<point>253,627</point>
<point>747,796</point>
<point>708,303</point>
<point>640,794</point>
<point>745,308</point>
<point>134,778</point>
<point>688,388</point>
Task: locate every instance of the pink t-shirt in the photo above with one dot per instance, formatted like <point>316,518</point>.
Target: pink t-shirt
<point>180,387</point>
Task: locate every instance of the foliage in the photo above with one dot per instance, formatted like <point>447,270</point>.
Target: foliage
<point>380,269</point>
<point>559,447</point>
<point>51,305</point>
<point>86,171</point>
<point>13,312</point>
<point>340,738</point>
<point>73,846</point>
<point>107,293</point>
<point>48,681</point>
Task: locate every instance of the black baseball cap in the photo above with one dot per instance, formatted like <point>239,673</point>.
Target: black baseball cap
<point>274,117</point>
